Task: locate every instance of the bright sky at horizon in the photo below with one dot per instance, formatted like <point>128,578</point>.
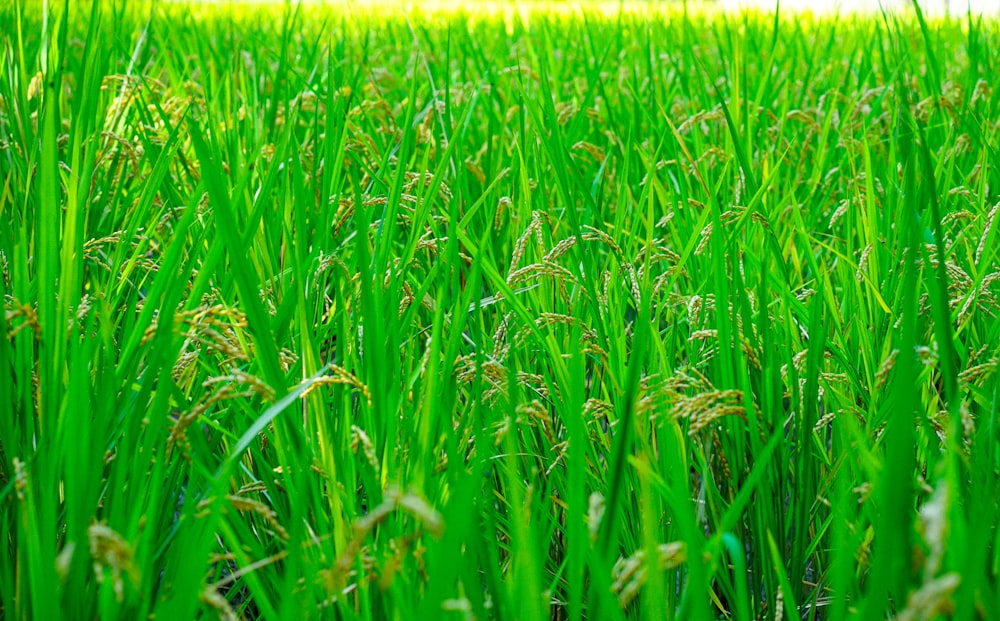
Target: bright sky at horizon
<point>931,7</point>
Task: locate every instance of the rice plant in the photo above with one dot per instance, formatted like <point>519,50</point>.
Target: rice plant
<point>548,312</point>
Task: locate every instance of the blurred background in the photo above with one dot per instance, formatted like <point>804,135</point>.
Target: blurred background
<point>934,7</point>
<point>956,8</point>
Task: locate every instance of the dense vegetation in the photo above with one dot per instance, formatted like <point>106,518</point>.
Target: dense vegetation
<point>314,313</point>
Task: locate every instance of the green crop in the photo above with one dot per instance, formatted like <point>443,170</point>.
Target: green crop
<point>533,313</point>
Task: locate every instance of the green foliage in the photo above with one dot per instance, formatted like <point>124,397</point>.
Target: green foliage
<point>549,314</point>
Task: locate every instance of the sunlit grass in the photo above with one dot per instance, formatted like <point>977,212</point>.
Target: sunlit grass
<point>610,8</point>
<point>549,314</point>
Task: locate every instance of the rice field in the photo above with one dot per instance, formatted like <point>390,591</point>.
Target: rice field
<point>615,312</point>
